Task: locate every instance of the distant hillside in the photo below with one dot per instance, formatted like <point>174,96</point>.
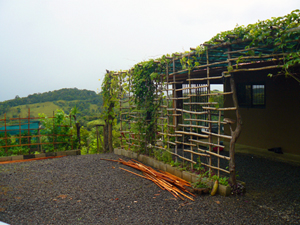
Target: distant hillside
<point>88,103</point>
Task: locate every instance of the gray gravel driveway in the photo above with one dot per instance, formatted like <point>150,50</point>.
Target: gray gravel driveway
<point>87,190</point>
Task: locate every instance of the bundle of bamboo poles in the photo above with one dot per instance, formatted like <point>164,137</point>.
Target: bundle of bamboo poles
<point>166,181</point>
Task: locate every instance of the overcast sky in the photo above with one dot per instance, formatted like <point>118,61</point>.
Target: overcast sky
<point>47,45</point>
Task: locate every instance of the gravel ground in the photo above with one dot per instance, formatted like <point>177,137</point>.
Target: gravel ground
<point>87,190</point>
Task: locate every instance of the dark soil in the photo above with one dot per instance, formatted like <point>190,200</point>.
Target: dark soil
<point>87,190</point>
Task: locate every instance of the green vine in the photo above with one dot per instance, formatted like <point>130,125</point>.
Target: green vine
<point>280,35</point>
<point>144,83</point>
<point>110,92</point>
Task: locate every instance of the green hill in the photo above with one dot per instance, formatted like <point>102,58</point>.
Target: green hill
<point>88,103</point>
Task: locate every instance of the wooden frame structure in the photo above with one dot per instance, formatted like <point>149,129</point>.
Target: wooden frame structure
<point>29,136</point>
<point>186,112</point>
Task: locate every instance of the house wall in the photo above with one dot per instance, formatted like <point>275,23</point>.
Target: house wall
<point>276,125</point>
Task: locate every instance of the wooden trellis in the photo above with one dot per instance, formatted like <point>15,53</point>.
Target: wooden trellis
<point>186,114</point>
<point>188,122</point>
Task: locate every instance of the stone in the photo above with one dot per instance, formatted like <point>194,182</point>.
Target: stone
<point>224,190</point>
<point>150,161</point>
<point>17,157</point>
<point>187,176</point>
<point>170,169</point>
<point>41,155</point>
<point>7,158</point>
<point>50,154</point>
<point>61,153</point>
<point>162,166</point>
<point>140,158</point>
<point>125,153</point>
<point>156,163</point>
<point>72,153</point>
<point>178,173</point>
<point>134,155</point>
<point>118,151</point>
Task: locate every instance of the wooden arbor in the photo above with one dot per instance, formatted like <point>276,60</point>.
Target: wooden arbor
<point>187,117</point>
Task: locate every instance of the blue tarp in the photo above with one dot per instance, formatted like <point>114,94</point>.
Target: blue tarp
<point>13,130</point>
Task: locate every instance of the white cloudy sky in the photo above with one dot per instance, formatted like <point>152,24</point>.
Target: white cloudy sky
<point>47,45</point>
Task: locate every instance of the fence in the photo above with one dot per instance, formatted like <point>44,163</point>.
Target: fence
<point>28,132</point>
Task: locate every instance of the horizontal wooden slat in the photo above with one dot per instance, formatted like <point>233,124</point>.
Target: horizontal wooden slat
<point>179,142</point>
<point>195,126</point>
<point>196,153</point>
<point>188,88</point>
<point>220,109</point>
<point>170,135</point>
<point>205,78</point>
<point>191,134</point>
<point>172,143</point>
<point>200,103</point>
<point>218,135</point>
<point>206,143</point>
<point>216,168</point>
<point>214,154</point>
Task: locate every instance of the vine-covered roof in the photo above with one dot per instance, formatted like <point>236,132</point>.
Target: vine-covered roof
<point>275,40</point>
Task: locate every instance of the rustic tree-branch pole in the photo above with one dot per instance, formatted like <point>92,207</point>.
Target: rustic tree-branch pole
<point>236,133</point>
<point>78,134</point>
<point>110,128</point>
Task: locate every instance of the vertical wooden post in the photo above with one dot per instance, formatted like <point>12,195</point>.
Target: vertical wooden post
<point>179,102</point>
<point>209,112</point>
<point>97,134</point>
<point>20,131</point>
<point>5,134</point>
<point>29,138</point>
<point>236,133</point>
<point>105,135</point>
<point>120,99</point>
<point>108,123</point>
<point>219,132</point>
<point>190,108</point>
<point>168,100</point>
<point>175,124</point>
<point>53,131</point>
<point>162,121</point>
<point>102,143</point>
<point>130,108</point>
<point>109,128</point>
<point>78,134</point>
<point>39,141</point>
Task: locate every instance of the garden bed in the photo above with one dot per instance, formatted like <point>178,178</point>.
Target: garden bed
<point>188,176</point>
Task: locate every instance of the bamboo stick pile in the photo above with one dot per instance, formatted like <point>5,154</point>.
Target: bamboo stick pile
<point>166,181</point>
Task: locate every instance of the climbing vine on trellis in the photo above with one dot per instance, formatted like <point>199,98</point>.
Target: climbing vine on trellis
<point>277,35</point>
<point>110,92</point>
<point>144,83</point>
